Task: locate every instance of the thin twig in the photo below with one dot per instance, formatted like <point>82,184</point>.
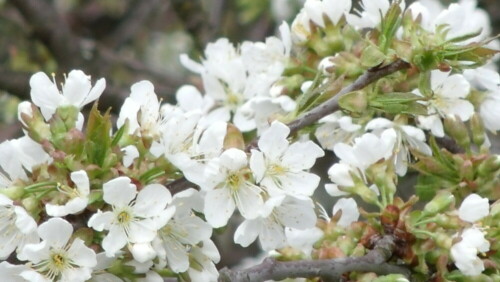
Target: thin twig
<point>329,270</point>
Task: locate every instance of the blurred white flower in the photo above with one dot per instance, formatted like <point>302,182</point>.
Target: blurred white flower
<point>336,128</point>
<point>449,98</point>
<point>280,167</point>
<point>409,137</point>
<point>17,228</point>
<point>134,218</point>
<point>488,81</point>
<point>464,253</point>
<point>54,258</point>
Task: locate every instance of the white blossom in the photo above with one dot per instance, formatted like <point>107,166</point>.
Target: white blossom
<point>228,186</point>
<point>278,212</point>
<point>449,98</point>
<point>408,137</point>
<point>142,110</point>
<point>55,258</point>
<point>134,218</point>
<point>280,166</point>
<point>464,253</point>
<point>76,91</point>
<point>78,197</point>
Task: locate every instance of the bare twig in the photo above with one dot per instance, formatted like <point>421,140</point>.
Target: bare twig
<point>329,270</point>
<point>332,104</point>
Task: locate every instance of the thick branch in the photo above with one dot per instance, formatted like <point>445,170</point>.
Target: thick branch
<point>332,104</point>
<point>328,270</point>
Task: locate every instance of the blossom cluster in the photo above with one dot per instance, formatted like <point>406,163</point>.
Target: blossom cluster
<point>83,198</point>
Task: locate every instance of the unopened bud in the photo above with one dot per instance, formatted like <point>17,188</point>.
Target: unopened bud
<point>477,128</point>
<point>455,128</point>
<point>467,170</point>
<point>234,138</point>
<point>489,166</point>
<point>441,202</point>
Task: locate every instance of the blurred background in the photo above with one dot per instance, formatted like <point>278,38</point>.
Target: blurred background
<point>130,40</point>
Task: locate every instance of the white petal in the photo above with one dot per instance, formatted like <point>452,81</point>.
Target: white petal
<point>273,141</point>
<point>114,241</point>
<point>81,181</point>
<point>333,190</point>
<point>119,191</point>
<point>142,252</point>
<point>247,232</point>
<point>101,220</point>
<point>474,208</point>
<point>258,165</point>
<point>45,94</point>
<point>219,206</point>
<point>302,155</point>
<point>151,200</point>
<point>350,212</point>
<point>248,200</point>
<point>82,255</point>
<point>130,153</point>
<point>55,231</point>
<point>76,87</point>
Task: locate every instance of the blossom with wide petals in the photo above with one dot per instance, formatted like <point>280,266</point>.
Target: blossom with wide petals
<point>182,232</point>
<point>280,166</point>
<point>229,185</point>
<point>55,258</point>
<point>78,197</point>
<point>134,218</point>
<point>464,253</point>
<point>76,91</point>
<point>409,137</point>
<point>17,227</point>
<point>278,212</point>
<point>449,93</point>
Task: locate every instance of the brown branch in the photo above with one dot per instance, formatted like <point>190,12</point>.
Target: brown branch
<point>329,270</point>
<point>332,104</point>
<point>137,14</point>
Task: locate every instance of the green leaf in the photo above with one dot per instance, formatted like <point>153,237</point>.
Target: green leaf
<point>399,103</point>
<point>98,140</point>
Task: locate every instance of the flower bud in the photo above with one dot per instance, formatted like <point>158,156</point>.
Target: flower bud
<point>440,203</point>
<point>489,166</point>
<point>234,138</point>
<point>477,128</point>
<point>455,128</point>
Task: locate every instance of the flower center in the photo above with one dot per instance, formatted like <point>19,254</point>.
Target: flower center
<point>234,181</point>
<point>123,217</point>
<point>275,169</point>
